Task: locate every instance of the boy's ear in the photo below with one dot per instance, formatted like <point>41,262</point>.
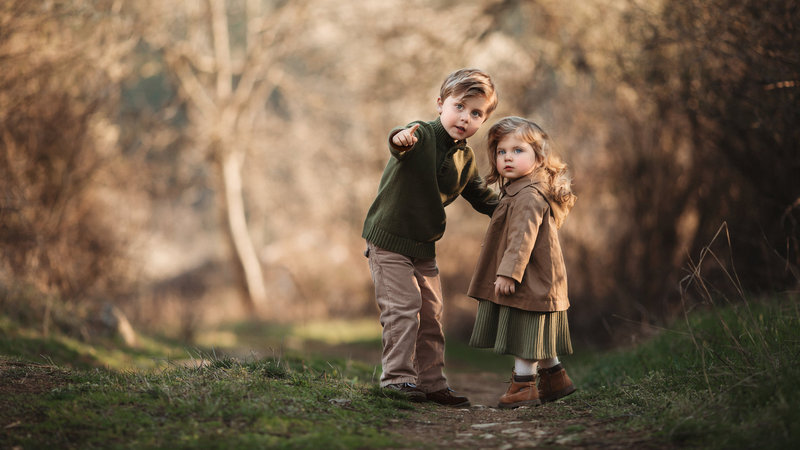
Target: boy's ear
<point>439,104</point>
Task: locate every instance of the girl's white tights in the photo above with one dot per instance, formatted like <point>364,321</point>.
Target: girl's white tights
<point>524,367</point>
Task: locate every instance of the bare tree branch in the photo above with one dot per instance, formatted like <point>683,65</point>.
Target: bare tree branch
<point>222,48</point>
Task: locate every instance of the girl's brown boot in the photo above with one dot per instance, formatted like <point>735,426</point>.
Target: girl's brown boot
<point>554,383</point>
<point>521,392</point>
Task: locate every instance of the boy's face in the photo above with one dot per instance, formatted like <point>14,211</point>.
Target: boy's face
<point>462,117</point>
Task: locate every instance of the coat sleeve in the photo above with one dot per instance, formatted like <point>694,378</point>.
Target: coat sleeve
<point>523,228</point>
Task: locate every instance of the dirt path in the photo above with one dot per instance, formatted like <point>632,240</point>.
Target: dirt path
<point>567,423</point>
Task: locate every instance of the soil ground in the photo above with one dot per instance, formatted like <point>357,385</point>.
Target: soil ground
<point>567,423</point>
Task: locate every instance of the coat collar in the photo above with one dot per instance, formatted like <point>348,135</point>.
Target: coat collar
<point>535,179</point>
<point>538,180</point>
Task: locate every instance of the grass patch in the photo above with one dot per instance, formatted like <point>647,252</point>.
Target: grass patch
<point>724,378</point>
<point>28,343</point>
<point>222,403</point>
<point>62,391</point>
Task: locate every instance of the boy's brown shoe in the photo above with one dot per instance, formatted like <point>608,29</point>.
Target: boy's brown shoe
<point>409,391</point>
<point>554,383</point>
<point>447,398</point>
<point>520,393</point>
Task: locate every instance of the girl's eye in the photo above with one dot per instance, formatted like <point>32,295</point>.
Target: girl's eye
<point>501,152</point>
<point>517,150</point>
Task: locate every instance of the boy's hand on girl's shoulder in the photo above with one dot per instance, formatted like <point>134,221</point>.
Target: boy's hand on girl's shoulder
<point>504,286</point>
<point>406,138</point>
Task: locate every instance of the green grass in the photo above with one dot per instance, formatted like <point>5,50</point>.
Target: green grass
<point>724,378</point>
<point>220,403</point>
<point>58,348</point>
<point>61,391</point>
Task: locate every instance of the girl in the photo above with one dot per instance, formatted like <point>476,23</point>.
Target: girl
<point>520,281</point>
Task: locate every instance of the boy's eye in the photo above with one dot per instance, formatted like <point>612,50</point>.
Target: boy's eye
<point>476,114</point>
<point>459,106</point>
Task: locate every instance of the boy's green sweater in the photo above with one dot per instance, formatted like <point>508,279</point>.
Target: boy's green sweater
<point>407,216</point>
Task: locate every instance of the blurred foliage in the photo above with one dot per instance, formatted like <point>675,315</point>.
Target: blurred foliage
<point>61,227</point>
<point>674,117</point>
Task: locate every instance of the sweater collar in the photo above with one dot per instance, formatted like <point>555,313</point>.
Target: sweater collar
<point>444,139</point>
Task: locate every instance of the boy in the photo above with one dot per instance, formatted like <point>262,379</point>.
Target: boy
<point>431,166</point>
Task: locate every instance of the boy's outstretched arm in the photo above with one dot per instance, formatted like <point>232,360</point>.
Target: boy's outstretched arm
<point>405,137</point>
<point>482,198</point>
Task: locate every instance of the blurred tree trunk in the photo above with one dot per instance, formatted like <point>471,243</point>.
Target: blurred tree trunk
<point>237,229</point>
<point>231,159</point>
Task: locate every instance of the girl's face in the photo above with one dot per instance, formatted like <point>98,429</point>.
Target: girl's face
<point>462,117</point>
<point>515,158</point>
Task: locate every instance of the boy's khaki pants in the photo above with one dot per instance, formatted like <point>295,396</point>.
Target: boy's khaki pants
<point>409,295</point>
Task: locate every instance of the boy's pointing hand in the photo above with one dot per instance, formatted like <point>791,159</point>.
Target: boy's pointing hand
<point>406,138</point>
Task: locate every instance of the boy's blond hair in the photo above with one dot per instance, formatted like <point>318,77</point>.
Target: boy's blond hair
<point>470,83</point>
<point>558,176</point>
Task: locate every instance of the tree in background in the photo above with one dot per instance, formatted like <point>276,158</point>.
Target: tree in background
<point>225,80</point>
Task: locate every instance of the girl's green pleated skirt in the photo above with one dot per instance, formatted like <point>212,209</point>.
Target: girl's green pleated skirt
<point>524,334</point>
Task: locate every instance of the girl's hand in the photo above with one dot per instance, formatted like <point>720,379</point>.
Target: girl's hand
<point>405,138</point>
<point>504,285</point>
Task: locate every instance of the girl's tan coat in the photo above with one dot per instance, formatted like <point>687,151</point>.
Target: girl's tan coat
<point>522,243</point>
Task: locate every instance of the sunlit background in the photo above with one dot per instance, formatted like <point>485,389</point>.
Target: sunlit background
<point>187,165</point>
